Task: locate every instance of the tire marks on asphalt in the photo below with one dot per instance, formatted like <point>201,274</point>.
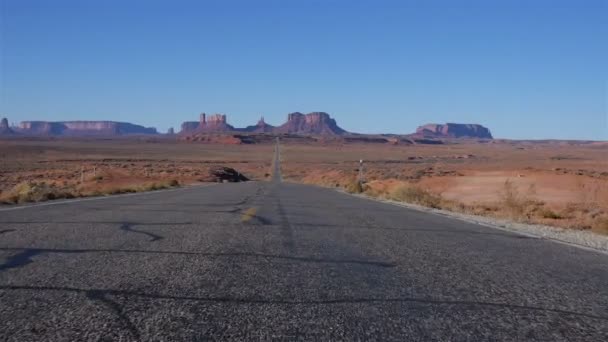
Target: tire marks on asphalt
<point>129,228</point>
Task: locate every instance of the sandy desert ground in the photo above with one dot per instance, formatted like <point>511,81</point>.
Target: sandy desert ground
<point>563,184</point>
<point>84,167</point>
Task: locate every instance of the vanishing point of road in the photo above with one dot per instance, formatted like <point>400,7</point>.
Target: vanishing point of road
<point>263,261</point>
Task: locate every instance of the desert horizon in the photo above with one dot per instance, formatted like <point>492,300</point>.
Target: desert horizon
<point>305,170</point>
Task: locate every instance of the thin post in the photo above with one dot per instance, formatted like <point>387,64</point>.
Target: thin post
<point>361,171</point>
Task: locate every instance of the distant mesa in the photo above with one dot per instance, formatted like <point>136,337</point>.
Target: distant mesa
<point>317,123</point>
<point>216,129</point>
<point>454,130</point>
<point>322,125</point>
<point>5,129</point>
<point>260,127</point>
<point>212,124</point>
<point>82,128</point>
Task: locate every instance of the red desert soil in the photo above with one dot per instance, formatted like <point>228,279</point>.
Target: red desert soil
<point>558,183</point>
<point>84,167</point>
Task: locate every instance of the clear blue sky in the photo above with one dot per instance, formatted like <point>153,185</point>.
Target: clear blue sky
<point>525,69</point>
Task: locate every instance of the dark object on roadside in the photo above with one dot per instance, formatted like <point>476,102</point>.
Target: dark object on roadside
<point>224,174</point>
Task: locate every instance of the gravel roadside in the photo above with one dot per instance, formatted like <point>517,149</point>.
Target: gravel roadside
<point>579,238</point>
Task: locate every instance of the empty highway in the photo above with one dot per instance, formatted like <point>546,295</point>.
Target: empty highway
<point>263,261</point>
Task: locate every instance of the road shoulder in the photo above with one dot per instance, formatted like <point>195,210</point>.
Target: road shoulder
<point>577,238</point>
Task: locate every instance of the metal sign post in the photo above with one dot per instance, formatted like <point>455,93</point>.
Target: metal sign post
<point>361,171</point>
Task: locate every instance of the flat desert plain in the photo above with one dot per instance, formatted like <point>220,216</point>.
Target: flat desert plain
<point>557,183</point>
<point>41,169</point>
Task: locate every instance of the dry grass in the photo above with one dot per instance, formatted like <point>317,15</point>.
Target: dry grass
<point>25,192</point>
<point>552,183</point>
<point>416,195</point>
<point>354,187</point>
<point>39,169</point>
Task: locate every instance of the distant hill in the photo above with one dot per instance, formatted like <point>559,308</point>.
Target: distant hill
<point>81,128</point>
<point>260,127</point>
<point>317,123</point>
<point>454,130</point>
<point>5,128</point>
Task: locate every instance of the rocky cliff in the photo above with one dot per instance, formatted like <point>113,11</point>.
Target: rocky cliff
<point>207,124</point>
<point>260,127</point>
<point>454,130</point>
<point>82,128</point>
<point>316,123</point>
<point>5,129</point>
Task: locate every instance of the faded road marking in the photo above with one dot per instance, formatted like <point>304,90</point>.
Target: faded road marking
<point>249,214</point>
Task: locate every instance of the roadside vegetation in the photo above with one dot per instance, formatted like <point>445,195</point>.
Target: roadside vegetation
<point>28,191</point>
<point>513,204</point>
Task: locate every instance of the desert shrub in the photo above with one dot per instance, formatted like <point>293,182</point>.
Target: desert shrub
<point>512,201</point>
<point>354,187</point>
<point>418,174</point>
<point>600,225</point>
<point>369,191</point>
<point>34,192</point>
<point>150,187</point>
<point>416,195</point>
<point>550,214</point>
<point>174,182</point>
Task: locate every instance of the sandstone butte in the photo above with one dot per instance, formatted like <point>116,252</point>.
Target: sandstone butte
<point>81,128</point>
<point>315,123</point>
<point>454,130</point>
<point>5,128</point>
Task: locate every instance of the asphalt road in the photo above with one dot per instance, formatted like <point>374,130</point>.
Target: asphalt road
<point>265,261</point>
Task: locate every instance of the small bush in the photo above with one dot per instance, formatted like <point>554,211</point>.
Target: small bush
<point>550,214</point>
<point>34,192</point>
<point>514,203</point>
<point>416,195</point>
<point>174,182</point>
<point>354,187</point>
<point>600,225</point>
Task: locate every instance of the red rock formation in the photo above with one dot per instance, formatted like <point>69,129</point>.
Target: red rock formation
<point>82,128</point>
<point>260,127</point>
<point>5,129</point>
<point>216,123</point>
<point>453,130</point>
<point>316,123</point>
<point>212,124</point>
<point>189,126</point>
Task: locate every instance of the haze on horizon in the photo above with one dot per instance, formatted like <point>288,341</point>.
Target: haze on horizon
<point>524,69</point>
